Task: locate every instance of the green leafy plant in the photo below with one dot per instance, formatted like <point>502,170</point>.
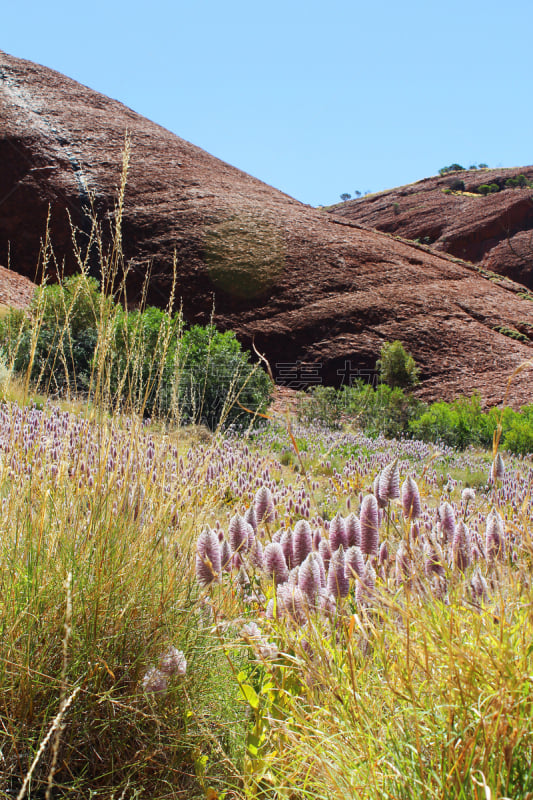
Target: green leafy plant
<point>397,368</point>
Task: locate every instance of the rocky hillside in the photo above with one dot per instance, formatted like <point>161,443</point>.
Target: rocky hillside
<point>307,286</point>
<point>455,213</point>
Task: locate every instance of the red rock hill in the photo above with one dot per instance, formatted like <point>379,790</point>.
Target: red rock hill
<point>306,285</point>
<point>494,231</point>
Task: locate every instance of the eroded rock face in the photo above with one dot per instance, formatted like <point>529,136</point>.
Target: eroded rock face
<point>494,231</point>
<point>304,285</point>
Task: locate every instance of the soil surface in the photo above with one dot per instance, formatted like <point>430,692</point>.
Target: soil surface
<point>318,294</point>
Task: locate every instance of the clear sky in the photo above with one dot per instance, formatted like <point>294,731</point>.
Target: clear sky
<point>314,98</point>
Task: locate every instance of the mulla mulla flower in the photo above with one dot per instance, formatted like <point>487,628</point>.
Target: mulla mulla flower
<point>389,482</point>
<point>274,562</point>
<point>338,584</point>
<point>208,557</point>
<point>353,531</point>
<point>412,507</point>
<point>264,505</point>
<point>494,539</point>
<point>337,533</point>
<point>302,541</point>
<point>369,525</point>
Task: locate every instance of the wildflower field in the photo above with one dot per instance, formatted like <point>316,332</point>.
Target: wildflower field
<point>280,612</point>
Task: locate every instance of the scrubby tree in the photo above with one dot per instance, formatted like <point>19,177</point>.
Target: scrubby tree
<point>397,368</point>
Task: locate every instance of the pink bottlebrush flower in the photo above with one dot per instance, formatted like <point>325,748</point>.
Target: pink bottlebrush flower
<point>495,536</point>
<point>353,531</point>
<point>337,533</point>
<point>154,682</point>
<point>317,537</point>
<point>286,544</point>
<point>302,541</point>
<point>383,554</point>
<point>468,495</point>
<point>379,499</point>
<point>173,662</point>
<point>291,600</point>
<point>461,547</point>
<point>369,525</point>
<point>275,564</point>
<point>447,521</point>
<point>433,560</point>
<point>251,630</point>
<point>256,555</point>
<point>389,482</point>
<point>366,585</point>
<point>264,505</point>
<point>225,555</point>
<point>322,570</point>
<point>325,551</point>
<point>208,557</point>
<point>412,507</point>
<point>309,577</point>
<point>338,584</point>
<point>402,567</point>
<point>239,534</point>
<point>479,588</point>
<point>250,518</point>
<point>354,563</point>
<point>497,470</point>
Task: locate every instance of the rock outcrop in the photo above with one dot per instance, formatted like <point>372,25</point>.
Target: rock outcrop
<point>494,231</point>
<point>317,293</point>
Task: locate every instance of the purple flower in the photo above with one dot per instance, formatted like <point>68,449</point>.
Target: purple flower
<point>208,557</point>
<point>494,540</point>
<point>239,534</point>
<point>379,499</point>
<point>354,563</point>
<point>250,518</point>
<point>173,662</point>
<point>338,584</point>
<point>447,521</point>
<point>264,505</point>
<point>402,565</point>
<point>478,585</point>
<point>497,471</point>
<point>302,541</point>
<point>461,547</point>
<point>412,507</point>
<point>274,562</point>
<point>353,531</point>
<point>309,577</point>
<point>154,682</point>
<point>389,482</point>
<point>337,533</point>
<point>366,585</point>
<point>369,525</point>
<point>286,544</point>
<point>325,551</point>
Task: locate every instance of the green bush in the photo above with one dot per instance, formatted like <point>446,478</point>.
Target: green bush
<point>76,341</point>
<point>396,366</point>
<point>451,168</point>
<point>457,424</point>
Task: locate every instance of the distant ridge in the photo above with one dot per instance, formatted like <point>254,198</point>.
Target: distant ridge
<point>494,231</point>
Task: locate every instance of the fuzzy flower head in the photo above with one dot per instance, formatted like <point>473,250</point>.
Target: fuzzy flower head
<point>461,547</point>
<point>412,507</point>
<point>274,562</point>
<point>337,533</point>
<point>309,577</point>
<point>468,495</point>
<point>240,534</point>
<point>369,525</point>
<point>338,585</point>
<point>302,541</point>
<point>264,505</point>
<point>173,662</point>
<point>497,470</point>
<point>155,682</point>
<point>495,536</point>
<point>389,482</point>
<point>208,557</point>
<point>447,521</point>
<point>353,531</point>
<point>354,562</point>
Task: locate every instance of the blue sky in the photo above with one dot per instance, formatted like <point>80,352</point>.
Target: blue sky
<point>311,97</point>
